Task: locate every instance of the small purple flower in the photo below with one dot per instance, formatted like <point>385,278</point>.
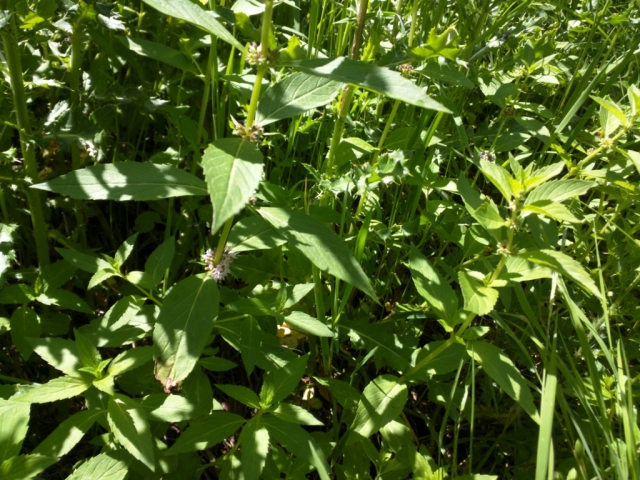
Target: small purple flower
<point>221,270</point>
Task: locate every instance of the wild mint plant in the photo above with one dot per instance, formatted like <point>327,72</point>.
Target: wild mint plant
<point>318,240</point>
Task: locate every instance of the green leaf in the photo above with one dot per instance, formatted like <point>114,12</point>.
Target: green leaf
<point>24,323</point>
<point>307,324</point>
<point>250,343</point>
<point>519,269</point>
<point>295,414</point>
<point>299,442</point>
<point>498,176</point>
<point>125,249</point>
<point>242,394</point>
<point>19,293</point>
<point>126,181</point>
<point>564,265</point>
<point>24,466</point>
<point>478,298</point>
<point>130,428</point>
<point>56,389</point>
<point>295,95</point>
<point>190,12</point>
<point>141,279</point>
<point>433,287</point>
<point>83,261</point>
<point>160,407</point>
<point>233,170</point>
<point>382,401</point>
<point>68,434</point>
<point>281,382</point>
<point>158,51</point>
<point>14,423</point>
<point>100,276</point>
<point>439,45</point>
<point>502,370</point>
<point>550,209</point>
<point>254,233</point>
<point>541,175</point>
<point>89,355</point>
<point>130,359</point>
<point>160,260</point>
<point>320,245</point>
<point>183,326</point>
<point>254,441</point>
<point>59,353</point>
<point>55,275</point>
<point>484,211</point>
<point>445,73</point>
<point>365,75</point>
<point>380,336</point>
<point>558,190</point>
<point>207,432</point>
<point>445,362</point>
<point>105,466</point>
<point>64,299</point>
<point>217,364</point>
<point>612,107</point>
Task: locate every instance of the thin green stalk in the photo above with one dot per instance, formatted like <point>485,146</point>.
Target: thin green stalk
<point>223,241</point>
<point>262,69</point>
<point>14,64</point>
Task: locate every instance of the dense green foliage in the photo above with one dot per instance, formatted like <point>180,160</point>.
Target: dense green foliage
<point>375,240</point>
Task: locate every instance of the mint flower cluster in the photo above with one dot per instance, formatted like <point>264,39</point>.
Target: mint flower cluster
<point>222,269</point>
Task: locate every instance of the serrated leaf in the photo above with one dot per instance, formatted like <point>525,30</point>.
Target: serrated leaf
<point>372,77</point>
<point>217,364</point>
<point>24,322</point>
<point>612,107</point>
<point>295,414</point>
<point>207,432</point>
<point>124,181</point>
<point>306,323</point>
<point>295,95</point>
<point>242,394</point>
<point>478,298</point>
<point>281,382</point>
<point>24,466</point>
<point>550,209</point>
<point>320,245</point>
<point>382,401</point>
<point>131,430</point>
<point>100,276</point>
<point>89,355</point>
<point>130,360</point>
<point>498,176</point>
<point>59,353</point>
<point>558,190</point>
<point>254,441</point>
<point>14,423</point>
<point>160,407</point>
<point>502,370</point>
<point>105,466</point>
<point>68,434</point>
<point>254,233</point>
<point>233,170</point>
<point>56,389</point>
<point>183,326</point>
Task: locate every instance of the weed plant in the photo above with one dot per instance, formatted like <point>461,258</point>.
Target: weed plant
<point>319,239</point>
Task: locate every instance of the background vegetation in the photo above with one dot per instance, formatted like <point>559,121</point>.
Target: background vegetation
<point>375,240</point>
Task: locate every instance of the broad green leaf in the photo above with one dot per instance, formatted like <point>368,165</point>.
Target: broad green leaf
<point>183,326</point>
<point>380,336</point>
<point>564,265</point>
<point>83,261</point>
<point>558,190</point>
<point>484,211</point>
<point>254,441</point>
<point>540,176</point>
<point>207,432</point>
<point>519,269</point>
<point>381,401</point>
<point>160,260</point>
<point>55,275</point>
<point>501,369</point>
<point>445,362</point>
<point>379,79</point>
<point>298,442</point>
<point>141,279</point>
<point>443,45</point>
<point>242,394</point>
<point>131,429</point>
<point>320,245</point>
<point>295,95</point>
<point>158,51</point>
<point>445,73</point>
<point>250,343</point>
<point>105,466</point>
<point>64,299</point>
<point>100,276</point>
<point>14,423</point>
<point>612,107</point>
<point>189,12</point>
<point>126,181</point>
<point>433,287</point>
<point>295,414</point>
<point>24,323</point>
<point>89,355</point>
<point>59,353</point>
<point>217,364</point>
<point>254,233</point>
<point>160,407</point>
<point>233,170</point>
<point>56,389</point>
<point>550,209</point>
<point>130,359</point>
<point>15,294</point>
<point>125,249</point>
<point>24,466</point>
<point>498,176</point>
<point>281,382</point>
<point>307,324</point>
<point>68,434</point>
<point>478,298</point>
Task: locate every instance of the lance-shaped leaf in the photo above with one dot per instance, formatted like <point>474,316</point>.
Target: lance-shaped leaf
<point>24,466</point>
<point>255,447</point>
<point>478,298</point>
<point>558,190</point>
<point>207,432</point>
<point>170,408</point>
<point>14,423</point>
<point>56,389</point>
<point>24,323</point>
<point>502,370</point>
<point>280,382</point>
<point>192,13</point>
<point>382,401</point>
<point>365,75</point>
<point>254,233</point>
<point>131,429</point>
<point>183,326</point>
<point>306,323</point>
<point>68,434</point>
<point>320,245</point>
<point>295,95</point>
<point>59,353</point>
<point>111,465</point>
<point>126,181</point>
<point>233,170</point>
<point>158,51</point>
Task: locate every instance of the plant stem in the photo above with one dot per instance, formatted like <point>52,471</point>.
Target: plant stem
<point>262,69</point>
<point>14,64</point>
<point>223,240</point>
